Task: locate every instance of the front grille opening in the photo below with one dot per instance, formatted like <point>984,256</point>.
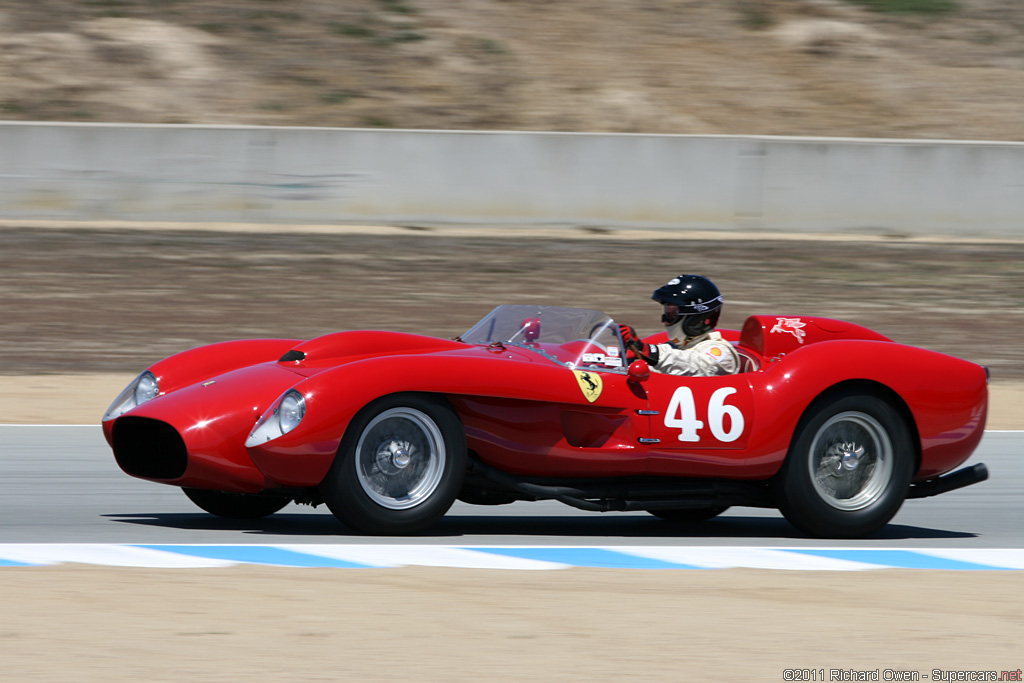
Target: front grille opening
<point>148,448</point>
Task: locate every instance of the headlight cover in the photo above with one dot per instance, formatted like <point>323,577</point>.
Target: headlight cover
<point>143,388</point>
<point>283,417</point>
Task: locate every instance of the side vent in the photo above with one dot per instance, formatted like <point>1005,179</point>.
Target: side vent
<point>293,356</point>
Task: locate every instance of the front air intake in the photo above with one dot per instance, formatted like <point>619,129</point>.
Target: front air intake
<point>149,448</point>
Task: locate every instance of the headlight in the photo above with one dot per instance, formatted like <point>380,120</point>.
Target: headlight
<point>146,388</point>
<point>291,411</point>
<point>285,416</point>
<point>143,388</point>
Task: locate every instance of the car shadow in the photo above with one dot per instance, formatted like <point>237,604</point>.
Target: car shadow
<point>453,527</point>
<point>643,526</point>
<point>281,524</point>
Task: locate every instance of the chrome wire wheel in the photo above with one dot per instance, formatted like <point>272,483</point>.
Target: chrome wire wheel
<point>400,458</point>
<point>849,466</point>
<point>851,461</point>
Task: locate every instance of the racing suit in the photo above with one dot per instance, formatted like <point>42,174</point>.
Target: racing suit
<point>701,356</point>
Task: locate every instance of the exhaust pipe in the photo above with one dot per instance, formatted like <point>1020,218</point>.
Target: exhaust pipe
<point>949,482</point>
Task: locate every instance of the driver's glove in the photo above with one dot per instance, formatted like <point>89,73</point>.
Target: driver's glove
<point>633,343</point>
<point>630,339</point>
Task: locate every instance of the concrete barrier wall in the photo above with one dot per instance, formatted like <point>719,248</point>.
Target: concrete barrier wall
<point>309,175</point>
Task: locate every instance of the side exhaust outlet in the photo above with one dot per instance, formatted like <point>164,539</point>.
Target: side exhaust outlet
<point>949,482</point>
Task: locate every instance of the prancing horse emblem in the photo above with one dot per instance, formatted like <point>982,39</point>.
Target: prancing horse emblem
<point>590,383</point>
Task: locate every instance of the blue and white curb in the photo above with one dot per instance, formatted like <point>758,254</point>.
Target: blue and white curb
<point>507,557</point>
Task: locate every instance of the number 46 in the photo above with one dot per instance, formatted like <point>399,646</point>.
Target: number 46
<point>682,414</point>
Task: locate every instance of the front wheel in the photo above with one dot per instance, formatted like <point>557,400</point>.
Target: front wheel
<point>400,466</point>
<point>848,469</point>
<point>236,505</point>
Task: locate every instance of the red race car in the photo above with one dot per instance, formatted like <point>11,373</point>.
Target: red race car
<point>830,422</point>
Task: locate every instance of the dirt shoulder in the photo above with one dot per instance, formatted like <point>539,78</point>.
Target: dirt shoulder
<point>97,299</point>
<point>423,624</point>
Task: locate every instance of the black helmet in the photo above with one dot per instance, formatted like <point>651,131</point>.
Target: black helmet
<point>698,300</point>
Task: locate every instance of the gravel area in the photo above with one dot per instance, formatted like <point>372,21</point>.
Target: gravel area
<point>115,300</point>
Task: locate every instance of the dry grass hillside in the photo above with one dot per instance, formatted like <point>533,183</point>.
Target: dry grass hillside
<point>938,69</point>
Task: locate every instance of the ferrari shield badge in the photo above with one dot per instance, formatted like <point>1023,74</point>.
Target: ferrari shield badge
<point>590,384</point>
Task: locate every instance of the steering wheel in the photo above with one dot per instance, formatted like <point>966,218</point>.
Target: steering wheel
<point>595,328</point>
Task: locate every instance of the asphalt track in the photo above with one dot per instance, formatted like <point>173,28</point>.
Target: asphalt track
<point>60,485</point>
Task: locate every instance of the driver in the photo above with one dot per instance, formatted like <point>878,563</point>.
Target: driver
<point>692,304</point>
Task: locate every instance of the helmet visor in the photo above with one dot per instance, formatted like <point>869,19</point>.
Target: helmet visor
<point>671,314</point>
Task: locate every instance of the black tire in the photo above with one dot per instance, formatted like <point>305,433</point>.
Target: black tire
<point>236,505</point>
<point>688,515</point>
<point>399,467</point>
<point>848,469</point>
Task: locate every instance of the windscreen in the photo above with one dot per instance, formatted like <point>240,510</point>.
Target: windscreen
<point>572,337</point>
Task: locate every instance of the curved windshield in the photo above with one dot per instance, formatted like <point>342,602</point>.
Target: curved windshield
<point>573,337</point>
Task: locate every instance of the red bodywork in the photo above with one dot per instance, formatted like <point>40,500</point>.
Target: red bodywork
<point>527,415</point>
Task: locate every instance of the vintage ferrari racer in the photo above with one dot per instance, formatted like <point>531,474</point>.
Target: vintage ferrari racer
<point>833,424</point>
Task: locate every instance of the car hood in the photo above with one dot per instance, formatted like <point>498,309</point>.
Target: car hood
<point>316,355</point>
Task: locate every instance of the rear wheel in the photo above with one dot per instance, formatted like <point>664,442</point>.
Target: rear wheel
<point>399,467</point>
<point>236,505</point>
<point>848,469</point>
<point>689,515</point>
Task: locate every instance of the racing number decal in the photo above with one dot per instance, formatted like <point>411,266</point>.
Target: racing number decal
<point>682,414</point>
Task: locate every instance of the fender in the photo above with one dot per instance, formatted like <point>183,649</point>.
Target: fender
<point>470,371</point>
<point>949,424</point>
